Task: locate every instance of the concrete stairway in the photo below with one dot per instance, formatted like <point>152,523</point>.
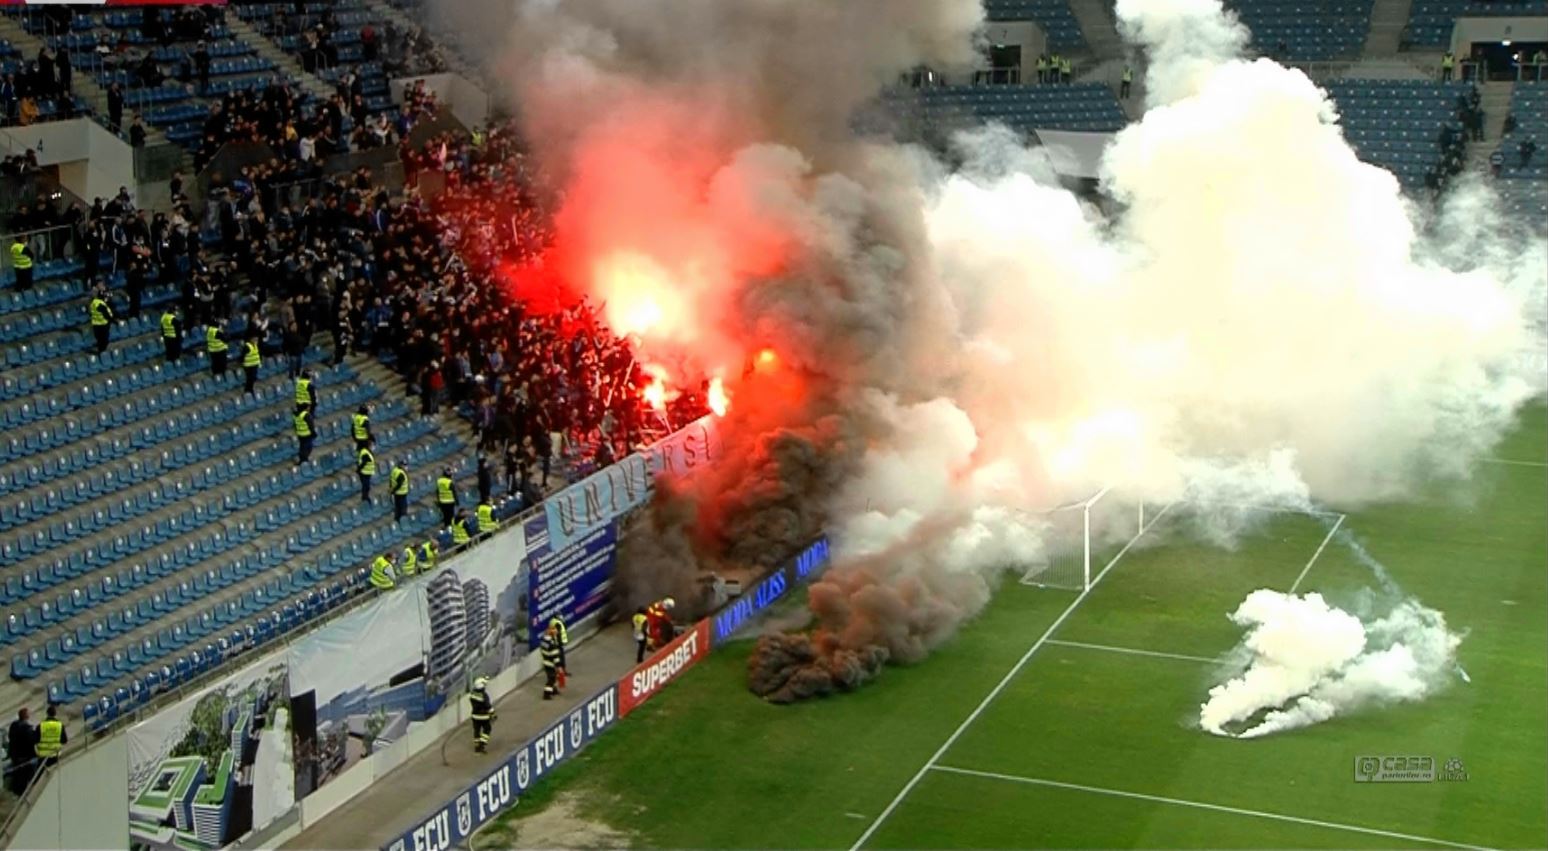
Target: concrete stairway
<point>285,63</point>
<point>1099,27</point>
<point>84,86</point>
<point>1494,100</point>
<point>1388,19</point>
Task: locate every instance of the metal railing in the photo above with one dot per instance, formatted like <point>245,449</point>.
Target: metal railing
<point>52,243</point>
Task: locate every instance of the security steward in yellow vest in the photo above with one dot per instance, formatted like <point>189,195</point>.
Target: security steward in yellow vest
<point>306,434</point>
<point>410,564</point>
<point>365,467</point>
<point>172,335</point>
<point>305,395</point>
<point>459,531</point>
<point>101,315</point>
<point>251,360</point>
<point>427,555</point>
<point>215,344</point>
<point>640,623</point>
<point>51,739</point>
<point>360,426</point>
<point>399,481</point>
<point>21,263</point>
<point>381,573</point>
<point>552,656</point>
<point>482,712</point>
<point>446,496</point>
<point>486,519</point>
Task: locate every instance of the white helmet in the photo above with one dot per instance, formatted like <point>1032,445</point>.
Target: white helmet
<point>478,684</point>
<point>668,603</point>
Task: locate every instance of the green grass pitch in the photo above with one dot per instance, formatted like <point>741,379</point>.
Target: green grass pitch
<point>1088,746</point>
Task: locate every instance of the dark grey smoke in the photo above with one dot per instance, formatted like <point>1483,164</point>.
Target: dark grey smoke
<point>797,666</point>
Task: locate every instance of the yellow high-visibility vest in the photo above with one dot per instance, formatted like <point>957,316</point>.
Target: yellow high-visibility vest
<point>410,563</point>
<point>50,739</point>
<point>303,425</point>
<point>19,258</point>
<point>443,491</point>
<point>169,325</point>
<point>367,466</point>
<point>486,519</point>
<point>250,356</point>
<point>100,311</point>
<point>303,391</point>
<point>428,552</point>
<point>361,421</point>
<point>212,340</point>
<point>400,482</point>
<point>459,529</point>
<point>381,576</point>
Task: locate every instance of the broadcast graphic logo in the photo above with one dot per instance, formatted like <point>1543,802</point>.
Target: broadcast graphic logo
<point>1406,769</point>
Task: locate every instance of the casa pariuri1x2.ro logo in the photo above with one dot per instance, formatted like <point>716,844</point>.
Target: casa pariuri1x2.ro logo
<point>1406,768</point>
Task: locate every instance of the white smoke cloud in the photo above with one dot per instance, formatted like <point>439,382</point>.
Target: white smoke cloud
<point>1259,317</point>
<point>1308,661</point>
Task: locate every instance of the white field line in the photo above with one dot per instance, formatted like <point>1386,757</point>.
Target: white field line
<point>1133,651</point>
<point>1515,462</point>
<point>1320,547</point>
<point>1200,805</point>
<point>1273,509</point>
<point>999,687</point>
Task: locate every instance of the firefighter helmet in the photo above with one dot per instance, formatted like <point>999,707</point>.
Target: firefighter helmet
<point>668,603</point>
<point>478,684</point>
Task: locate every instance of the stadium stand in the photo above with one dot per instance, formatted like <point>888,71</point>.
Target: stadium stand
<point>1396,123</point>
<point>1082,106</point>
<point>1299,31</point>
<point>1430,21</point>
<point>1525,186</point>
<point>1054,16</point>
<point>351,41</point>
<point>153,523</point>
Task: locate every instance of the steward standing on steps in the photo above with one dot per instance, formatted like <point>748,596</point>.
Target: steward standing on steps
<point>172,334</point>
<point>482,713</point>
<point>21,262</point>
<point>398,480</point>
<point>215,344</point>
<point>365,467</point>
<point>360,426</point>
<point>459,531</point>
<point>552,654</point>
<point>381,573</point>
<point>51,739</point>
<point>304,393</point>
<point>306,434</point>
<point>1128,82</point>
<point>410,565</point>
<point>251,359</point>
<point>101,315</point>
<point>486,519</point>
<point>446,496</point>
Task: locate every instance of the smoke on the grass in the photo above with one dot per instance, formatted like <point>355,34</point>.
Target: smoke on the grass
<point>1308,661</point>
<point>960,347</point>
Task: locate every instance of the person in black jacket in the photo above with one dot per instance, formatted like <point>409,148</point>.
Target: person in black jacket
<point>21,740</point>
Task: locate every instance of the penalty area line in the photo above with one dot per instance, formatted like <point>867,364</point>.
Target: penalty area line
<point>1320,547</point>
<point>1134,651</point>
<point>1514,462</point>
<point>1000,686</point>
<point>1200,805</point>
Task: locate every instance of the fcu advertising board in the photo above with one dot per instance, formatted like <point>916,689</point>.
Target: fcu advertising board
<point>451,825</point>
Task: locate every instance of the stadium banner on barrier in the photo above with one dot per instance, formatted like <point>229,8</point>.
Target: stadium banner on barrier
<point>626,485</point>
<point>451,825</point>
<point>595,500</point>
<point>666,665</point>
<point>213,767</point>
<point>771,589</point>
<point>487,589</point>
<point>572,583</point>
<point>685,450</point>
<point>359,684</point>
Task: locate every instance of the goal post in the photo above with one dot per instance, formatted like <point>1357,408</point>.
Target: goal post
<point>1076,538</point>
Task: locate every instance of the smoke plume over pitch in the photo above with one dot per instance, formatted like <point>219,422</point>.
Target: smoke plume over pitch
<point>962,346</point>
<point>1309,661</point>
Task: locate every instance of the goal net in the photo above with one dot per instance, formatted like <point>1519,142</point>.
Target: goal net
<point>1079,538</point>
